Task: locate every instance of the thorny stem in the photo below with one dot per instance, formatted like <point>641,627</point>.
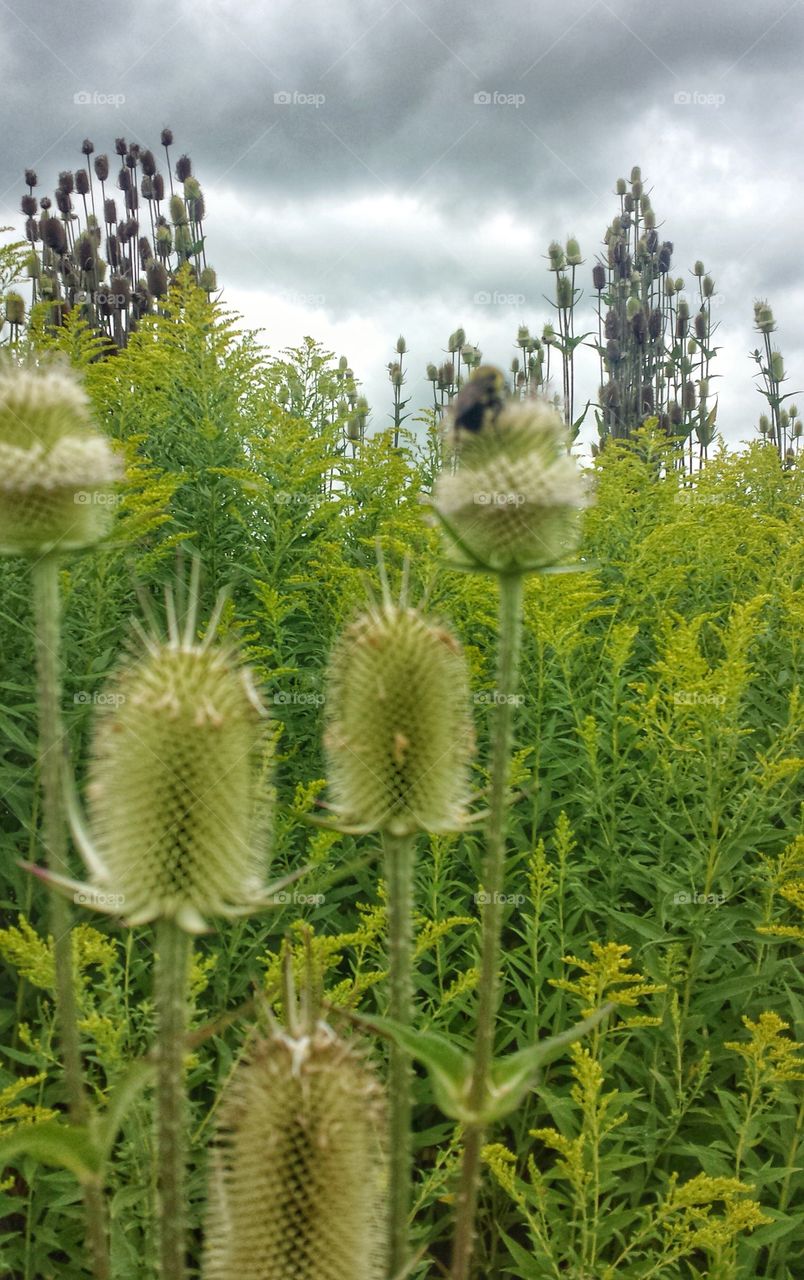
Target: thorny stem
<point>170,991</point>
<point>45,584</point>
<point>399,853</point>
<point>511,589</point>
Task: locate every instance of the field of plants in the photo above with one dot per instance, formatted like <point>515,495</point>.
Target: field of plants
<point>402,868</point>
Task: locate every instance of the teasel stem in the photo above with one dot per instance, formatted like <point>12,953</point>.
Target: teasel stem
<point>511,592</point>
<point>46,605</point>
<point>173,948</point>
<point>399,858</point>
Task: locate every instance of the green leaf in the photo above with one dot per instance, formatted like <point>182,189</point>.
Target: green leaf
<point>448,1067</point>
<point>125,1092</point>
<point>514,1075</point>
<point>69,1146</point>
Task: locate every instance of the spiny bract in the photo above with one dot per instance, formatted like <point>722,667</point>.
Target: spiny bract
<point>511,504</point>
<point>298,1174</point>
<point>399,736</point>
<point>174,807</point>
<point>56,472</point>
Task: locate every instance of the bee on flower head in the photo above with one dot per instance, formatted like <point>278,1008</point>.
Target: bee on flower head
<point>480,400</point>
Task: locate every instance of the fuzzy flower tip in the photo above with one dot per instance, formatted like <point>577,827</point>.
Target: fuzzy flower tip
<point>56,472</point>
<point>298,1171</point>
<point>399,736</point>
<point>176,813</point>
<point>512,501</point>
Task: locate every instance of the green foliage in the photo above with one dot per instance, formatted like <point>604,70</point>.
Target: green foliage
<point>655,822</point>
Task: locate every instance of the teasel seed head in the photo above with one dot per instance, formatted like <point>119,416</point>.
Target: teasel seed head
<point>512,503</point>
<point>120,146</point>
<point>29,206</point>
<point>82,182</point>
<point>700,326</point>
<point>208,279</point>
<point>56,472</point>
<point>621,187</point>
<point>564,292</point>
<point>599,276</point>
<point>14,308</point>
<point>63,201</point>
<point>66,181</point>
<point>298,1170</point>
<point>176,814</point>
<point>763,317</point>
<point>655,324</point>
<point>158,187</point>
<point>184,168</point>
<point>32,235</point>
<point>45,203</point>
<point>556,256</point>
<point>86,253</point>
<point>101,168</point>
<point>398,735</point>
<point>166,137</point>
<point>124,180</point>
<point>777,366</point>
<point>178,213</point>
<point>573,252</point>
<point>54,235</point>
<point>649,218</point>
<point>30,178</point>
<point>432,373</point>
<point>708,287</point>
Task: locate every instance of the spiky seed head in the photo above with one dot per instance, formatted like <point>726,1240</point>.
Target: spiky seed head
<point>763,318</point>
<point>298,1182</point>
<point>621,187</point>
<point>699,268</point>
<point>599,276</point>
<point>30,177</point>
<point>120,146</point>
<point>82,182</point>
<point>178,213</point>
<point>777,366</point>
<point>208,280</point>
<point>764,424</point>
<point>512,502</point>
<point>15,308</point>
<point>564,292</point>
<point>556,256</point>
<point>56,472</point>
<point>398,736</point>
<point>184,168</point>
<point>573,252</point>
<point>401,345</point>
<point>102,168</point>
<point>708,287</point>
<point>432,373</point>
<point>158,187</point>
<point>166,137</point>
<point>175,809</point>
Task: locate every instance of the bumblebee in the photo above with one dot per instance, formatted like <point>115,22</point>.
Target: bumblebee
<point>480,400</point>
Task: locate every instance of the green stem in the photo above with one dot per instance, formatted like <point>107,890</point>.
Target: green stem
<point>511,590</point>
<point>46,605</point>
<point>170,991</point>
<point>399,851</point>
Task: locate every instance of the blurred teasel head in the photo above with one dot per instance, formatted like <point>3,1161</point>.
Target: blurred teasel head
<point>177,808</point>
<point>57,473</point>
<point>298,1169</point>
<point>102,168</point>
<point>398,734</point>
<point>184,168</point>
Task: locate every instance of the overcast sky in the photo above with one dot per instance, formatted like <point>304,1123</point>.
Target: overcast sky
<point>360,183</point>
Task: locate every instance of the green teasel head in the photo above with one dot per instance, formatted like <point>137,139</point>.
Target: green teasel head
<point>178,807</point>
<point>399,736</point>
<point>298,1181</point>
<point>57,473</point>
<point>511,501</point>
